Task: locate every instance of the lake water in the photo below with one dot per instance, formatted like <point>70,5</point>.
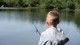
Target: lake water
<point>16,26</point>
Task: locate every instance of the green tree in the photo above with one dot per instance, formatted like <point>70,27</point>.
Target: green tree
<point>21,3</point>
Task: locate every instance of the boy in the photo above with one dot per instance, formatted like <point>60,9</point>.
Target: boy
<point>53,35</point>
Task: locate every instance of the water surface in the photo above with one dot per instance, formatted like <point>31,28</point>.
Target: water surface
<point>16,26</point>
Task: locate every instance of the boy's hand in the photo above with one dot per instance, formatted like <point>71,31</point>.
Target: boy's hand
<point>62,42</point>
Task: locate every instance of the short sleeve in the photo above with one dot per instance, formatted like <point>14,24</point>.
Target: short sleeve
<point>41,39</point>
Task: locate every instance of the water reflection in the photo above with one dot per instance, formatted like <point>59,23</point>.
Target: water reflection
<point>16,27</point>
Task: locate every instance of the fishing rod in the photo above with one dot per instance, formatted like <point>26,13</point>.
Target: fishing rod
<point>36,29</point>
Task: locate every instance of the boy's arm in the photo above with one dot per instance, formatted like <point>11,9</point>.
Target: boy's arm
<point>64,38</point>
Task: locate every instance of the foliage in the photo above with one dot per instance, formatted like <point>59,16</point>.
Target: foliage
<point>59,4</point>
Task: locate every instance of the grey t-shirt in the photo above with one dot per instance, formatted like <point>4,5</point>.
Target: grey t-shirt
<point>52,36</point>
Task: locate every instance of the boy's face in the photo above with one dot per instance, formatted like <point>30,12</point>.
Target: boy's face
<point>49,19</point>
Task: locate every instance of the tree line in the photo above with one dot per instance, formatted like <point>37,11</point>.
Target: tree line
<point>49,4</point>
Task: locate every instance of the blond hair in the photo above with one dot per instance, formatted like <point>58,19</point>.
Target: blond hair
<point>54,13</point>
<point>55,16</point>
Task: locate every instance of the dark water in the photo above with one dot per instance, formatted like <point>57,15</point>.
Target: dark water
<point>16,26</point>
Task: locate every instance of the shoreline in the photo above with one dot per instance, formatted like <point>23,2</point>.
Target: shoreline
<point>16,8</point>
<point>27,8</point>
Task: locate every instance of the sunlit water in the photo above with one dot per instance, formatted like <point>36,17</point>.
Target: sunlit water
<point>16,27</point>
